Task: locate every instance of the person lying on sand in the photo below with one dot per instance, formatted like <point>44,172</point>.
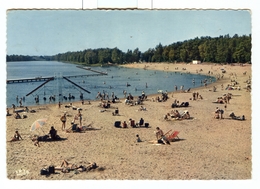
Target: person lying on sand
<point>142,108</point>
<point>67,167</point>
<point>233,116</point>
<point>16,137</point>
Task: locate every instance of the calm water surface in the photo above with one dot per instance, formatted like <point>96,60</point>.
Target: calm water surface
<point>116,81</point>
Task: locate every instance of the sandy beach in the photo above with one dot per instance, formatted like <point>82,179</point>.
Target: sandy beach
<point>207,149</point>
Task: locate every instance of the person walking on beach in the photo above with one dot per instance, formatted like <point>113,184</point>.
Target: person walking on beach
<point>176,88</point>
<point>63,120</point>
<point>125,93</point>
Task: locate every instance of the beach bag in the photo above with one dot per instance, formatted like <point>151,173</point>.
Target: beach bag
<point>117,123</point>
<point>173,105</point>
<point>146,124</point>
<point>44,171</point>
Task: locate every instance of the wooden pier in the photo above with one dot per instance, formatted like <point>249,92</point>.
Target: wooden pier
<point>26,80</point>
<point>90,69</point>
<point>37,79</point>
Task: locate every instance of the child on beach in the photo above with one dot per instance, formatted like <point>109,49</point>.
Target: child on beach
<point>138,138</point>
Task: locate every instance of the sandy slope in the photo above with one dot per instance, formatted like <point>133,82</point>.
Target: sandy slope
<point>208,149</point>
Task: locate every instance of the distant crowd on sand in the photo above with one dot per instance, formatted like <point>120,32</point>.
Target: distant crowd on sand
<point>180,111</point>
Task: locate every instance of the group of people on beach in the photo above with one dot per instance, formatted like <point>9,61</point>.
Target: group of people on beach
<point>176,115</point>
<point>132,123</point>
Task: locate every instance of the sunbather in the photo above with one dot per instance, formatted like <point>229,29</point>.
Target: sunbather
<point>53,133</point>
<point>16,137</point>
<point>132,123</point>
<point>175,114</point>
<point>36,140</point>
<point>17,116</point>
<point>124,124</point>
<point>67,167</point>
<point>116,112</point>
<point>142,108</point>
<point>216,116</point>
<point>233,116</point>
<point>141,122</point>
<point>185,115</point>
<point>161,137</point>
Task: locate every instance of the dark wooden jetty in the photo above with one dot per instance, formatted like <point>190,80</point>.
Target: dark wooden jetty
<point>39,87</point>
<point>90,69</point>
<point>76,84</point>
<point>26,80</point>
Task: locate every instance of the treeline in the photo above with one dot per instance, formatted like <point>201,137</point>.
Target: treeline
<point>15,58</point>
<point>222,49</point>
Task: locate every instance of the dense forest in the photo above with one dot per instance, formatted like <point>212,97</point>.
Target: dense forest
<point>222,49</point>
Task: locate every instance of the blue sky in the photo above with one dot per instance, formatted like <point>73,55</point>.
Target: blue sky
<point>49,32</point>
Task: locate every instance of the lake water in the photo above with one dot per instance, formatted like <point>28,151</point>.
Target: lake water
<point>139,80</point>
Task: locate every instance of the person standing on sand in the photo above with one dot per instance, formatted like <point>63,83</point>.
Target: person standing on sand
<point>63,120</point>
<point>80,118</point>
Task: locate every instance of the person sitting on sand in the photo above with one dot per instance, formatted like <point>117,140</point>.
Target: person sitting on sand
<point>216,113</point>
<point>36,140</point>
<point>142,108</point>
<point>158,99</point>
<point>132,122</point>
<point>165,117</point>
<point>185,115</point>
<point>176,114</point>
<point>53,133</point>
<point>7,112</point>
<point>138,138</point>
<point>67,167</point>
<point>16,137</point>
<point>17,116</point>
<point>141,122</point>
<point>116,112</point>
<point>124,124</point>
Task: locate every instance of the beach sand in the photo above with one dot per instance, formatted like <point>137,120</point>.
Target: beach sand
<point>208,149</point>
